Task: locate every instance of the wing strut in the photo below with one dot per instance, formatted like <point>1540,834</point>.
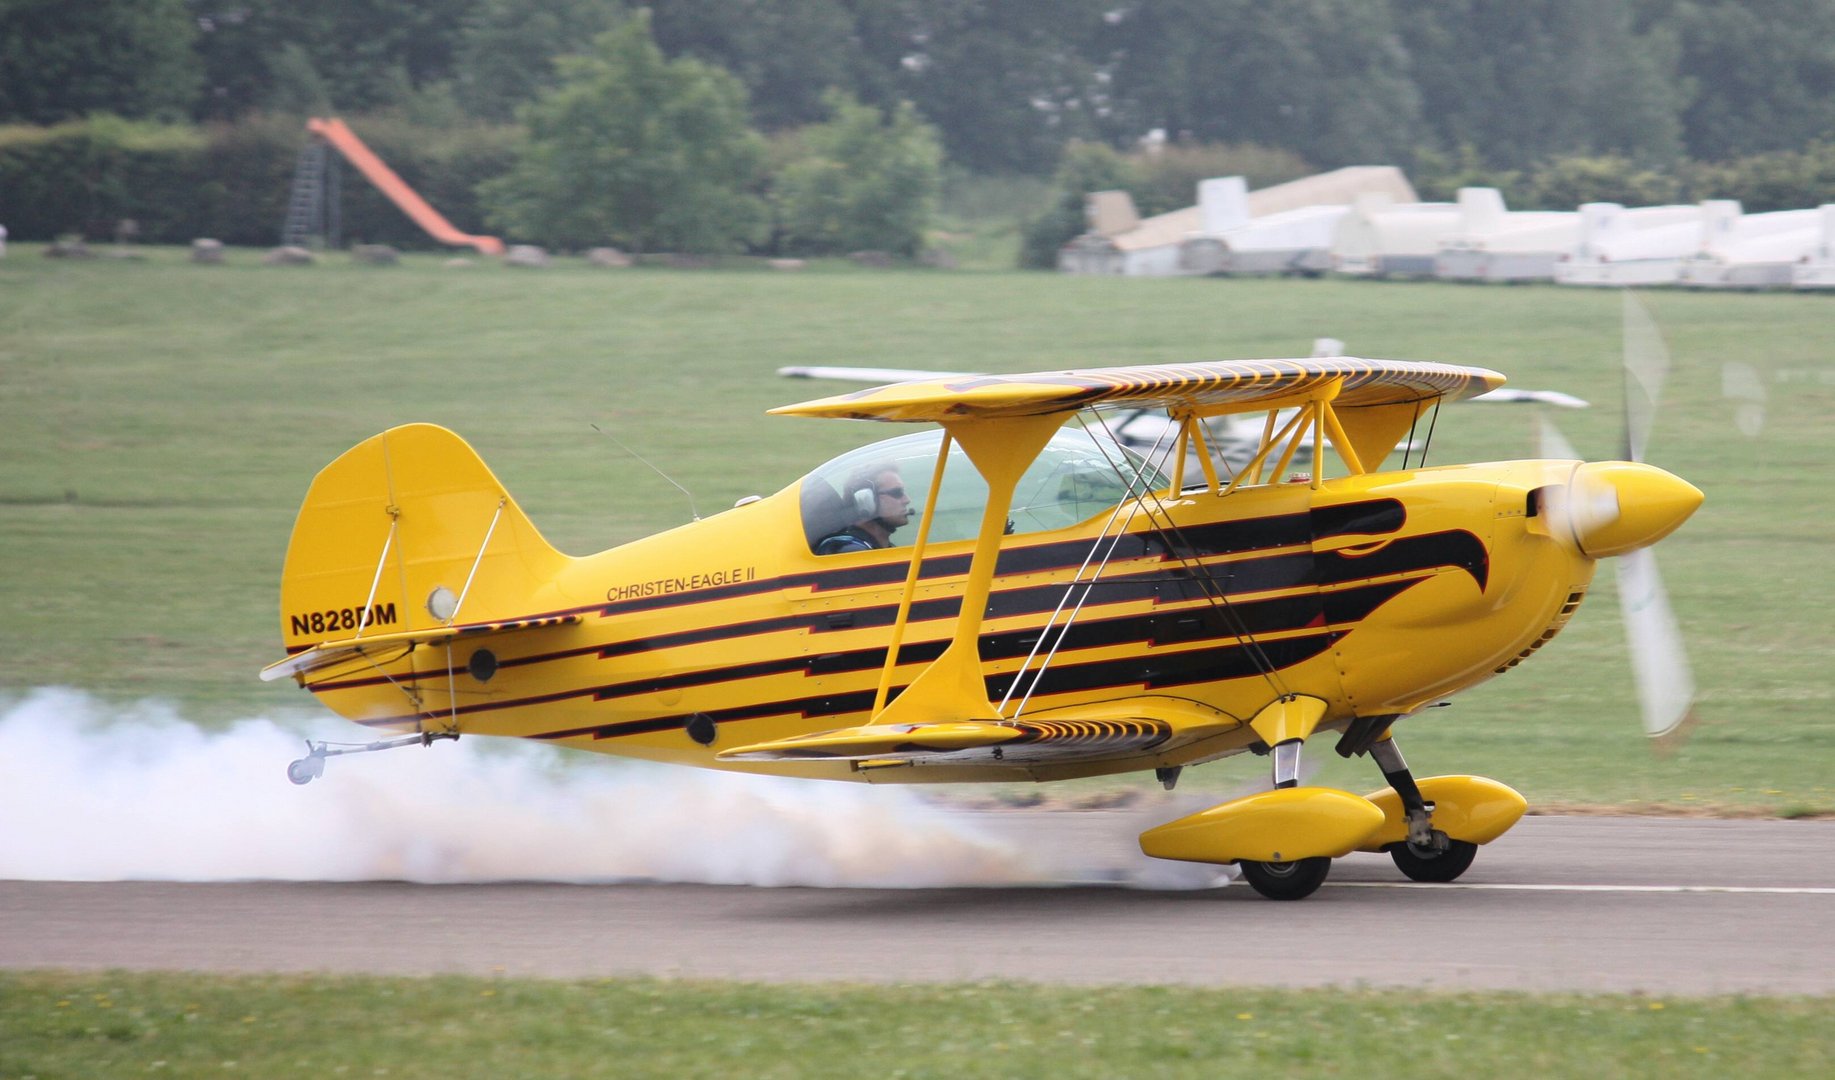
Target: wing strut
<point>952,687</point>
<point>1287,434</point>
<point>911,579</point>
<point>1206,460</point>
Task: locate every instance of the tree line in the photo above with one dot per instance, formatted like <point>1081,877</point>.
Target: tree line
<point>1007,84</point>
<point>776,95</point>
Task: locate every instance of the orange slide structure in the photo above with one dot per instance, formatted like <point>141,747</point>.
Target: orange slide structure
<point>345,141</point>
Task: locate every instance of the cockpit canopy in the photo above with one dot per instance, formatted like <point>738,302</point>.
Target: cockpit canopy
<point>1079,474</point>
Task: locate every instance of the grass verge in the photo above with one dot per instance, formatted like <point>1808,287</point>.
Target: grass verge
<point>119,1024</point>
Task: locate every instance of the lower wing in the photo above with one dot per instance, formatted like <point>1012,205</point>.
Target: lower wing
<point>1122,728</point>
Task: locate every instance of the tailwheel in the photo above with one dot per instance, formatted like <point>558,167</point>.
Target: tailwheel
<point>1294,880</point>
<point>1423,863</point>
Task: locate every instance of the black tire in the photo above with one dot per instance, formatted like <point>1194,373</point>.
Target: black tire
<point>1294,880</point>
<point>1425,864</point>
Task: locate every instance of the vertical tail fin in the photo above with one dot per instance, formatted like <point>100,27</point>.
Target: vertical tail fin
<point>408,531</point>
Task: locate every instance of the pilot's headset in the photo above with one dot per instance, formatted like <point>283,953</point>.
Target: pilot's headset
<point>866,502</point>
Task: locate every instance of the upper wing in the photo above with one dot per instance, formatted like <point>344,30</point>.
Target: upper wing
<point>880,375</point>
<point>1236,385</point>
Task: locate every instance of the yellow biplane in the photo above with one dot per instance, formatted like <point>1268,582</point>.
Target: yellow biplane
<point>1003,594</point>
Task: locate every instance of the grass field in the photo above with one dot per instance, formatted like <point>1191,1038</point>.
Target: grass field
<point>161,421</point>
<point>68,1025</point>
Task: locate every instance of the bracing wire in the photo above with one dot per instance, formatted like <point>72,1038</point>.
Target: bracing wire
<point>1408,446</point>
<point>1433,419</point>
<point>1128,498</point>
<point>1215,593</point>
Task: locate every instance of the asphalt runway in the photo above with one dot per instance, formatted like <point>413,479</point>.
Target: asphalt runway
<point>1664,906</point>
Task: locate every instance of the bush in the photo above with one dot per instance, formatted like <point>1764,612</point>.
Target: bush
<point>250,175</point>
<point>1438,177</point>
<point>865,182</point>
<point>85,176</point>
<point>1785,180</point>
<point>1565,183</point>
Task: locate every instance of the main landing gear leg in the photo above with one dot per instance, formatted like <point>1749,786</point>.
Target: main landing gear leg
<point>1287,764</point>
<point>1298,878</point>
<point>1428,854</point>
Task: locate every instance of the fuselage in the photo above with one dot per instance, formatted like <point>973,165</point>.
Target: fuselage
<point>1378,593</point>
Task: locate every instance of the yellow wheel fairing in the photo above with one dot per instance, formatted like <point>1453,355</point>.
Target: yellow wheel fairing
<point>1274,826</point>
<point>1470,808</point>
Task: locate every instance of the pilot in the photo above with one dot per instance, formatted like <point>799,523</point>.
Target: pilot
<point>876,499</point>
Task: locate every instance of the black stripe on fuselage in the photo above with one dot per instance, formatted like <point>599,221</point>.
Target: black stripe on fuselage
<point>1176,669</point>
<point>1456,548</point>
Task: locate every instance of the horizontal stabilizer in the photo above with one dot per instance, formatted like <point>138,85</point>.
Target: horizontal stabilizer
<point>332,657</point>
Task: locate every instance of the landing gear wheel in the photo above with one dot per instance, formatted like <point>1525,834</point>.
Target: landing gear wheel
<point>1426,864</point>
<point>1294,880</point>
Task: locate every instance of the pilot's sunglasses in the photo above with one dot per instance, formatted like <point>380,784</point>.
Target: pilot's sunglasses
<point>896,493</point>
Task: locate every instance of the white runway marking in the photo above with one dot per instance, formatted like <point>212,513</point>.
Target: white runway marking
<point>1779,890</point>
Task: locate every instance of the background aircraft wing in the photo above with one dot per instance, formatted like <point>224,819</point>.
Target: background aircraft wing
<point>1508,395</point>
<point>865,374</point>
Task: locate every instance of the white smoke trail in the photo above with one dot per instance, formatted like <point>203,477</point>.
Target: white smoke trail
<point>93,793</point>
